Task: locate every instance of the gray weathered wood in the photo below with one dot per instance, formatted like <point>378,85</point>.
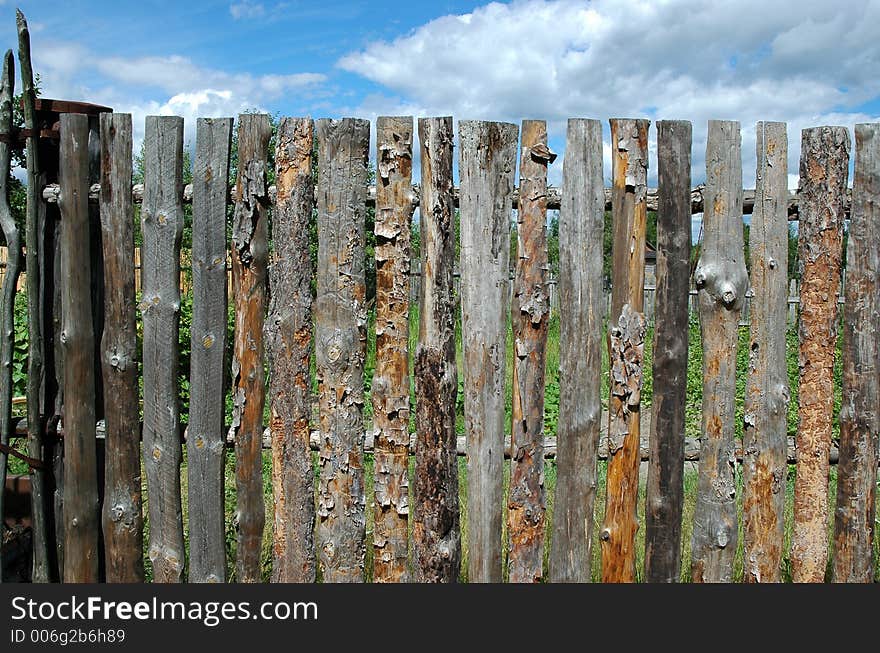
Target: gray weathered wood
<point>436,532</point>
<point>390,391</point>
<point>206,438</point>
<point>629,158</point>
<point>162,226</point>
<point>81,524</point>
<point>854,523</point>
<point>765,426</point>
<point>824,167</point>
<point>13,269</point>
<point>581,222</point>
<point>340,346</point>
<point>487,168</point>
<point>530,317</point>
<point>288,347</point>
<point>122,510</point>
<point>664,489</point>
<point>34,259</point>
<point>722,283</point>
<point>250,257</point>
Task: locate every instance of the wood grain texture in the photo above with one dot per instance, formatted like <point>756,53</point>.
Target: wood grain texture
<point>81,524</point>
<point>122,511</point>
<point>487,168</point>
<point>340,346</point>
<point>854,523</point>
<point>390,390</point>
<point>250,257</point>
<point>824,168</point>
<point>765,425</point>
<point>629,163</point>
<point>436,528</point>
<point>162,226</point>
<point>206,438</point>
<point>289,347</point>
<point>530,316</point>
<point>581,304</point>
<point>722,283</point>
<point>664,492</point>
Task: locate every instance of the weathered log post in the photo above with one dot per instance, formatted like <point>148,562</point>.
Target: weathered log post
<point>824,167</point>
<point>390,392</point>
<point>10,278</point>
<point>765,428</point>
<point>487,167</point>
<point>250,255</point>
<point>581,303</point>
<point>530,313</point>
<point>81,524</point>
<point>436,532</point>
<point>629,160</point>
<point>289,347</point>
<point>722,282</point>
<point>340,346</point>
<point>206,439</point>
<point>162,227</point>
<point>859,417</point>
<point>665,489</point>
<point>122,512</point>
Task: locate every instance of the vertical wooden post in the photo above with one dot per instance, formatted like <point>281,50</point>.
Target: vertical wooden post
<point>860,413</point>
<point>436,534</point>
<point>11,276</point>
<point>824,168</point>
<point>81,502</point>
<point>250,253</point>
<point>722,282</point>
<point>765,427</point>
<point>122,512</point>
<point>629,159</point>
<point>289,347</point>
<point>162,226</point>
<point>581,301</point>
<point>487,167</point>
<point>394,209</point>
<point>340,345</point>
<point>206,439</point>
<point>665,489</point>
<point>530,315</point>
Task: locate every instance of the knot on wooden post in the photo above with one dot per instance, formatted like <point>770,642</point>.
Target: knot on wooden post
<point>627,352</point>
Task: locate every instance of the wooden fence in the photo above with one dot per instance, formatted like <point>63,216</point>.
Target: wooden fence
<point>86,530</point>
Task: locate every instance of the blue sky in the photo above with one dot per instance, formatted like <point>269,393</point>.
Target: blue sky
<point>806,62</point>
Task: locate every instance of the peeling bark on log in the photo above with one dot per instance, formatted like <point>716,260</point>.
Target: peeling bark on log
<point>122,512</point>
<point>10,279</point>
<point>824,167</point>
<point>206,438</point>
<point>854,523</point>
<point>390,389</point>
<point>162,226</point>
<point>35,232</point>
<point>665,490</point>
<point>81,524</point>
<point>250,253</point>
<point>487,167</point>
<point>722,283</point>
<point>581,302</point>
<point>289,347</point>
<point>436,533</point>
<point>340,346</point>
<point>629,159</point>
<point>766,404</point>
<point>530,313</point>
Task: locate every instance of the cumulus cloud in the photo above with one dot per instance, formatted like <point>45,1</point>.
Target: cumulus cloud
<point>803,61</point>
<point>247,9</point>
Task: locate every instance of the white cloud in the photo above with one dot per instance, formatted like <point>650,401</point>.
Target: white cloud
<point>247,9</point>
<point>802,61</point>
